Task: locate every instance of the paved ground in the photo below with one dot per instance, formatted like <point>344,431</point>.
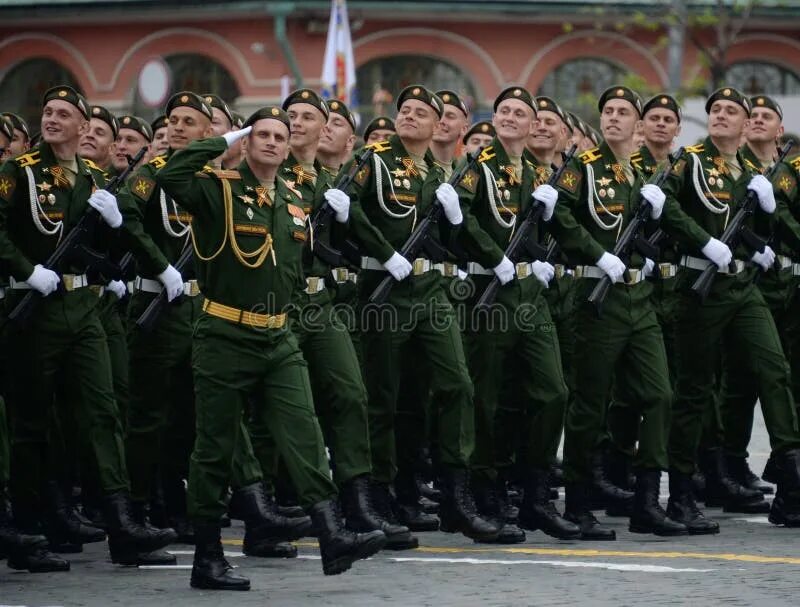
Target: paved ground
<point>750,562</point>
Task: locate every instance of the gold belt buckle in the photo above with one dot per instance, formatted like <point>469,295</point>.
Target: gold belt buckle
<point>450,269</point>
<point>634,274</point>
<point>419,266</point>
<point>312,285</point>
<point>665,270</point>
<point>559,270</point>
<point>69,281</point>
<point>523,269</point>
<point>194,288</point>
<point>578,271</point>
<point>341,274</point>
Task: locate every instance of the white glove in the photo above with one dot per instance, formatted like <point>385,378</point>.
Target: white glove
<point>398,266</point>
<point>118,288</point>
<point>339,202</point>
<point>172,281</point>
<point>548,196</point>
<point>462,275</point>
<point>718,252</point>
<point>232,137</point>
<point>766,195</point>
<point>504,270</point>
<point>766,259</point>
<point>611,265</point>
<point>105,203</point>
<point>43,280</point>
<point>649,264</point>
<point>449,199</point>
<point>543,271</point>
<point>653,194</point>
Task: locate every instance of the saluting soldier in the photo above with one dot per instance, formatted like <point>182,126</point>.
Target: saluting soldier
<point>379,129</point>
<point>249,235</point>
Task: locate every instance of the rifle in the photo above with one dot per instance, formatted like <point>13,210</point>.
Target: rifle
<point>520,242</point>
<point>737,232</point>
<point>420,239</point>
<point>325,214</point>
<point>631,240</point>
<point>72,246</point>
<point>156,307</point>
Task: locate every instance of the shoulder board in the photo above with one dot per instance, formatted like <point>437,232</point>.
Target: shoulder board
<point>752,166</point>
<point>590,155</point>
<point>636,160</point>
<point>158,162</point>
<point>219,173</point>
<point>487,153</point>
<point>295,211</point>
<point>695,149</point>
<point>91,164</point>
<point>28,159</point>
<point>795,162</point>
<point>380,146</point>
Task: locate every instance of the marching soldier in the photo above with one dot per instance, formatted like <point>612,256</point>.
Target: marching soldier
<point>160,142</point>
<point>249,237</point>
<point>21,141</point>
<point>478,136</point>
<point>133,135</point>
<point>98,140</point>
<point>379,129</point>
<point>6,137</point>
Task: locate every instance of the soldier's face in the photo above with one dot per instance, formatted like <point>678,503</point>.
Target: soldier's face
<point>618,121</point>
<point>513,119</point>
<point>307,124</point>
<point>219,123</point>
<point>452,125</point>
<point>128,143</point>
<point>187,124</point>
<point>5,145</point>
<point>416,121</point>
<point>379,135</point>
<point>95,143</point>
<point>19,144</point>
<point>62,122</point>
<point>337,136</point>
<point>660,126</point>
<point>477,141</point>
<point>267,144</point>
<point>548,133</point>
<point>726,119</point>
<point>764,126</point>
<point>160,143</point>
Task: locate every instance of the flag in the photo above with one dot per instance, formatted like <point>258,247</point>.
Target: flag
<point>339,67</point>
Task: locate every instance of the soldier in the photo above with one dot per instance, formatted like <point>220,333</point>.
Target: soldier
<point>160,141</point>
<point>496,195</point>
<point>478,136</point>
<point>599,192</point>
<point>388,198</point>
<point>134,134</point>
<point>43,194</point>
<point>6,137</point>
<point>705,193</point>
<point>222,121</point>
<point>337,138</point>
<point>242,343</point>
<point>21,142</point>
<point>379,129</point>
<point>98,141</point>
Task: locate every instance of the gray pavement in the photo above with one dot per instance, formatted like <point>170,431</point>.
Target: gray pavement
<point>749,562</point>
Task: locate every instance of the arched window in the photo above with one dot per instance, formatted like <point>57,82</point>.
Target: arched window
<point>760,77</point>
<point>578,83</point>
<point>24,85</point>
<point>192,72</point>
<point>380,80</point>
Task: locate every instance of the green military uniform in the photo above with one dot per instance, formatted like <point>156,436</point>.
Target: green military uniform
<point>248,251</point>
<point>792,319</point>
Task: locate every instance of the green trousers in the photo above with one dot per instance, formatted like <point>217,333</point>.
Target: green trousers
<point>5,447</point>
<point>231,363</point>
<point>161,406</point>
<point>625,347</point>
<point>735,314</point>
<point>66,344</point>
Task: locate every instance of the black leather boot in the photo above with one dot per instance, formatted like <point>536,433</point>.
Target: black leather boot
<point>210,570</point>
<point>557,474</point>
<point>362,514</point>
<point>538,512</point>
<point>618,468</point>
<point>785,508</point>
<point>269,549</point>
<point>648,515</point>
<point>261,519</point>
<point>740,471</point>
<point>175,509</point>
<point>577,511</point>
<point>338,546</point>
<point>682,508</point>
<point>458,513</point>
<point>493,504</point>
<point>699,486</point>
<point>25,551</point>
<point>62,527</point>
<point>154,557</point>
<point>408,508</point>
<point>723,490</point>
<point>605,494</point>
<point>126,537</point>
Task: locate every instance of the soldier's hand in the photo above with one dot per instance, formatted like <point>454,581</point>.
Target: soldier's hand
<point>543,271</point>
<point>105,203</point>
<point>766,259</point>
<point>340,203</point>
<point>653,194</point>
<point>398,266</point>
<point>763,189</point>
<point>118,288</point>
<point>43,280</point>
<point>611,265</point>
<point>718,252</point>
<point>232,137</point>
<point>548,196</point>
<point>449,200</point>
<point>504,270</point>
<point>172,281</point>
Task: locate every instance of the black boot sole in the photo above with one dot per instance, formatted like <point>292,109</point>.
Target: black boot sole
<point>345,562</point>
<point>271,552</point>
<point>205,584</point>
<point>559,535</point>
<point>762,507</point>
<point>650,530</point>
<point>401,541</point>
<point>20,564</point>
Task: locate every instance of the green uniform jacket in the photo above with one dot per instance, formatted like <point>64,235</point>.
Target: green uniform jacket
<point>223,277</point>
